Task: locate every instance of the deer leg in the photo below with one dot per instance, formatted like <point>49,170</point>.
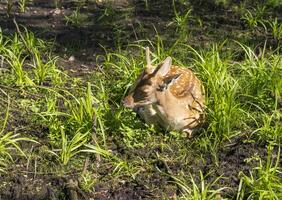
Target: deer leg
<point>188,132</point>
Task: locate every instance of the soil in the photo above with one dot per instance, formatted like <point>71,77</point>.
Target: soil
<point>153,184</point>
<point>83,44</point>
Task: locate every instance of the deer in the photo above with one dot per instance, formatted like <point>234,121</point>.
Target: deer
<point>167,96</point>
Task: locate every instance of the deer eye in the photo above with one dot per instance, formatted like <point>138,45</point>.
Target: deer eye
<point>140,95</point>
<point>162,87</point>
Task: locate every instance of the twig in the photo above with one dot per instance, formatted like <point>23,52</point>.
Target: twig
<point>85,166</point>
<point>22,38</point>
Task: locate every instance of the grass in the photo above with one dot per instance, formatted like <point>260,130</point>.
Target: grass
<point>276,29</point>
<point>85,131</point>
<point>195,191</point>
<point>264,182</point>
<point>235,91</point>
<point>9,142</point>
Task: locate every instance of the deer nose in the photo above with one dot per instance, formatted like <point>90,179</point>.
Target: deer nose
<point>128,102</point>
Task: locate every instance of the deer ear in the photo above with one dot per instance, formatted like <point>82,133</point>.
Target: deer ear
<point>164,67</point>
<point>167,81</point>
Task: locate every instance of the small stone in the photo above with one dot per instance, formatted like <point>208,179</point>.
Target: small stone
<point>71,59</point>
<point>57,11</point>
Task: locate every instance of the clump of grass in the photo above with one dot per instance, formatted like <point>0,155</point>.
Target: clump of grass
<point>182,22</point>
<point>82,110</point>
<point>273,3</point>
<point>260,78</point>
<point>22,4</point>
<point>45,70</point>
<point>17,53</point>
<point>120,167</point>
<point>76,18</point>
<point>269,127</point>
<point>75,116</point>
<point>88,182</point>
<point>276,28</point>
<point>16,62</point>
<point>9,6</point>
<point>70,147</point>
<point>221,87</point>
<point>253,17</point>
<point>193,191</point>
<point>9,142</point>
<point>264,182</point>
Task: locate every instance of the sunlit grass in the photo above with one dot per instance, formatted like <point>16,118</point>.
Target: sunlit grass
<point>9,142</point>
<point>82,118</point>
<point>264,182</point>
<point>203,190</point>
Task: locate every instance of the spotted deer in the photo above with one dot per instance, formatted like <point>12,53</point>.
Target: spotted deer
<point>168,96</point>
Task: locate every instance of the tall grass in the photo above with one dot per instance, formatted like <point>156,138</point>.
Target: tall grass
<point>222,107</point>
<point>261,78</point>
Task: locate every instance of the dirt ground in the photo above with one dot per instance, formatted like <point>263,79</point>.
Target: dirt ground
<point>84,44</point>
<point>26,185</point>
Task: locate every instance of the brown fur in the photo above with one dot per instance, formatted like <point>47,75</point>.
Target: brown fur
<point>168,96</point>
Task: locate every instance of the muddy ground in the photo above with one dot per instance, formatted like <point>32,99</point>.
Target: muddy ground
<point>84,43</point>
<point>23,184</point>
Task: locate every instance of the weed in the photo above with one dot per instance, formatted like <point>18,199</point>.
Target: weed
<point>273,3</point>
<point>88,181</point>
<point>276,29</point>
<point>146,4</point>
<point>98,150</point>
<point>10,5</point>
<point>270,127</point>
<point>22,4</point>
<point>204,191</point>
<point>32,43</point>
<point>9,142</point>
<point>260,77</point>
<point>16,62</point>
<point>264,182</point>
<point>221,88</point>
<point>181,22</point>
<point>71,147</point>
<point>76,18</point>
<point>43,71</point>
<point>254,17</point>
<point>18,51</point>
<point>82,111</point>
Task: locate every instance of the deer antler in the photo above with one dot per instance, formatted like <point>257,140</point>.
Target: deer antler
<point>148,59</point>
<point>149,67</point>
